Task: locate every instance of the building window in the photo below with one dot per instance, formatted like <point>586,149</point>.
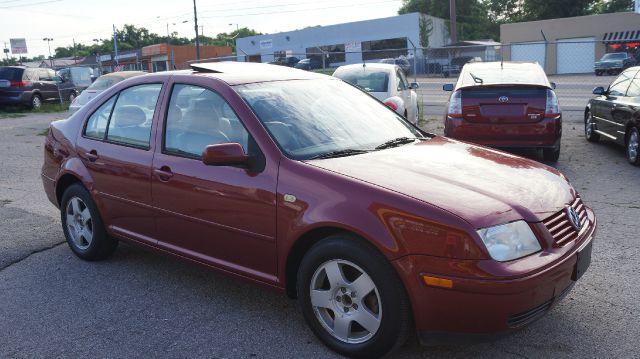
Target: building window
<point>279,54</point>
<point>383,49</point>
<point>335,53</point>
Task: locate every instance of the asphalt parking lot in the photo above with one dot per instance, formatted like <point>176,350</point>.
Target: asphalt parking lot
<point>141,304</point>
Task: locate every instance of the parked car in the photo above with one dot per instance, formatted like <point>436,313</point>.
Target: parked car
<point>615,113</point>
<point>385,82</point>
<point>510,104</point>
<point>402,63</point>
<point>303,183</point>
<point>31,87</point>
<point>288,61</point>
<point>310,64</point>
<point>102,83</point>
<point>613,63</point>
<point>456,65</point>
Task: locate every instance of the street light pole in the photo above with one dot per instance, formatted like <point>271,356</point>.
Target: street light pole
<point>195,26</point>
<point>452,18</point>
<point>48,40</point>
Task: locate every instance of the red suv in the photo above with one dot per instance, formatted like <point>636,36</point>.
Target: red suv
<point>506,105</point>
<point>303,183</point>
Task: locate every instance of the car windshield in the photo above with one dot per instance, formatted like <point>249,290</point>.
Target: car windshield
<point>370,80</point>
<point>81,76</point>
<point>103,83</point>
<point>311,118</point>
<point>614,56</point>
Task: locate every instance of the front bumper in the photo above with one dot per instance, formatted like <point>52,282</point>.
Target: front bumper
<point>483,305</point>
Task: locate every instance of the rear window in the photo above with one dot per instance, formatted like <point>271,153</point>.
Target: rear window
<point>104,83</point>
<point>369,80</point>
<point>11,73</point>
<point>508,74</point>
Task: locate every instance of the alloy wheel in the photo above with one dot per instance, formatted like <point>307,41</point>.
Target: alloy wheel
<point>588,126</point>
<point>632,145</point>
<point>36,102</point>
<point>79,223</point>
<point>346,301</point>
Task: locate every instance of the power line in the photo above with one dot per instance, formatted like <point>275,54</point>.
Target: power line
<point>30,4</point>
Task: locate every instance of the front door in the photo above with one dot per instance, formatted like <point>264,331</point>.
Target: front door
<point>609,111</point>
<point>115,147</point>
<point>220,215</point>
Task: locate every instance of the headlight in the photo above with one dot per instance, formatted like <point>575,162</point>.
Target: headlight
<point>509,241</point>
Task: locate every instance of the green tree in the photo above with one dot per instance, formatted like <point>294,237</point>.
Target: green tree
<point>608,6</point>
<point>473,18</point>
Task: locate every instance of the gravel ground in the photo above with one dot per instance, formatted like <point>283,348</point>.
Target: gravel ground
<point>141,304</point>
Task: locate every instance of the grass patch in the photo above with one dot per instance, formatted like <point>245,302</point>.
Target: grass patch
<point>16,111</point>
<point>43,132</point>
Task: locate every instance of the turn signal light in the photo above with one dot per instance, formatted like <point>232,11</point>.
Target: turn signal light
<point>437,282</point>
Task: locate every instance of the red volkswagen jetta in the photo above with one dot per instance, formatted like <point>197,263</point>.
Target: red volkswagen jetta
<point>303,183</point>
<point>506,105</point>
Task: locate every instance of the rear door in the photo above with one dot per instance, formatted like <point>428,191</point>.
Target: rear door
<point>10,78</point>
<point>48,87</point>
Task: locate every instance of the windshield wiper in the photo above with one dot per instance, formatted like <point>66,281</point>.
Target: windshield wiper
<point>339,153</point>
<point>397,142</point>
<point>476,79</point>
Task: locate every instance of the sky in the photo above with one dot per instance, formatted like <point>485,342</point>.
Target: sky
<point>66,20</point>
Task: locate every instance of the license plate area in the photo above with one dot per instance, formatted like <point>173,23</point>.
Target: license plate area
<point>583,262</point>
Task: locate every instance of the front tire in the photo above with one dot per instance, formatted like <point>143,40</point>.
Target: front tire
<point>72,96</point>
<point>352,298</point>
<point>36,102</point>
<point>83,227</point>
<point>633,146</point>
<point>551,154</point>
<point>589,130</point>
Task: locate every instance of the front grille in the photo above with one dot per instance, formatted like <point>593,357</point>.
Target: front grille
<point>560,227</point>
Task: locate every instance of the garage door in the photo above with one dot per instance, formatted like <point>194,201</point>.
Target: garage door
<point>529,51</point>
<point>576,56</point>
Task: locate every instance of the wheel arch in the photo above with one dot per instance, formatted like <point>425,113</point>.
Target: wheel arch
<point>64,182</point>
<point>301,246</point>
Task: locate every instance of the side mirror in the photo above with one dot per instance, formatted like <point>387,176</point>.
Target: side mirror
<point>447,87</point>
<point>225,154</point>
<point>553,85</point>
<point>414,86</point>
<point>599,91</point>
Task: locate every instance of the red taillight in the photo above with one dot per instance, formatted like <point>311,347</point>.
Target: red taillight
<point>455,105</point>
<point>553,107</point>
<point>391,105</point>
<point>15,83</point>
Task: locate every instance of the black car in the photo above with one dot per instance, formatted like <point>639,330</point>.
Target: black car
<point>456,65</point>
<point>402,63</point>
<point>310,64</point>
<point>288,61</point>
<point>31,87</point>
<point>613,63</point>
<point>615,113</point>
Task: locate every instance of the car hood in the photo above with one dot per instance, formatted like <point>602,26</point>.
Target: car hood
<point>483,186</point>
<point>87,95</point>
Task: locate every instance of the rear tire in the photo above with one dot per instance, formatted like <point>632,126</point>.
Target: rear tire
<point>72,96</point>
<point>589,131</point>
<point>633,146</point>
<point>82,225</point>
<point>36,102</point>
<point>551,154</point>
<point>360,308</point>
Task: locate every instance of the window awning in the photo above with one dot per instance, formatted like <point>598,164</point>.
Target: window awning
<point>621,36</point>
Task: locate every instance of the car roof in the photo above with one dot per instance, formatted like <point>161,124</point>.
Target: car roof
<point>370,65</point>
<point>237,73</point>
<point>122,74</point>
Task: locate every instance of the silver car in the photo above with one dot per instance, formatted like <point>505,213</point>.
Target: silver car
<point>387,83</point>
<point>100,84</point>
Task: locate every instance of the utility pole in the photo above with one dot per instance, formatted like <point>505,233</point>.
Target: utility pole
<point>115,43</point>
<point>195,26</point>
<point>75,58</point>
<point>452,17</point>
<point>6,52</point>
<point>48,40</point>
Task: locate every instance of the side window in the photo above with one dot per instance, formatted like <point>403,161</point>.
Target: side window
<point>198,117</point>
<point>620,84</point>
<point>130,121</point>
<point>44,75</point>
<point>97,124</point>
<point>634,88</point>
<point>403,80</point>
<point>31,75</point>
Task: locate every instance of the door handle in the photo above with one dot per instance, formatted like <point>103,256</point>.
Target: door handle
<point>164,173</point>
<point>92,155</point>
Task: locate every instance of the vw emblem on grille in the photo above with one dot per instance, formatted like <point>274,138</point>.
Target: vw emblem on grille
<point>574,218</point>
<point>503,99</point>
